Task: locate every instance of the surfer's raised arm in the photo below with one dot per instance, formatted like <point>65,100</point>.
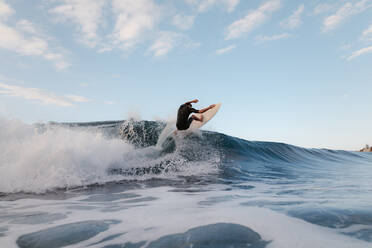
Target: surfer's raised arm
<point>206,109</point>
<point>193,101</point>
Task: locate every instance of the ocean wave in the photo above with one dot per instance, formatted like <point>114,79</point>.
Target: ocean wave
<point>43,157</point>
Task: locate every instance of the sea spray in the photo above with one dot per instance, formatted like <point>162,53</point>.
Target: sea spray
<point>34,161</point>
<point>43,157</point>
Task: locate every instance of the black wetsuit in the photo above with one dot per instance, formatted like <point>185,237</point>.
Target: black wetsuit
<point>183,120</point>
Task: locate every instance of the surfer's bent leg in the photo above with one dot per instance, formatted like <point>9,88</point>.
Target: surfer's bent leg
<point>194,117</point>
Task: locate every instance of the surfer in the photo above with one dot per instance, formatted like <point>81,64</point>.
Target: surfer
<point>183,120</point>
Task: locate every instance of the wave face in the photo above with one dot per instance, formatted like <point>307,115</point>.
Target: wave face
<point>42,157</point>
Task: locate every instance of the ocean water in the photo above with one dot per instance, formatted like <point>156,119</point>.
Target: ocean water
<point>128,184</point>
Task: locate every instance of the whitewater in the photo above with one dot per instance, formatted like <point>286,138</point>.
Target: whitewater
<point>131,184</point>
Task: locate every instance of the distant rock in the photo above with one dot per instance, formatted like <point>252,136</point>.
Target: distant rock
<point>366,149</point>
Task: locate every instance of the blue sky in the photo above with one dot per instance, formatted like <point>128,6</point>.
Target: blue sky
<point>298,72</point>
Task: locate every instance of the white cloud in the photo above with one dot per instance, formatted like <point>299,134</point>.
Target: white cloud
<point>183,22</point>
<point>134,22</point>
<point>87,14</point>
<point>61,65</point>
<point>11,39</point>
<point>76,98</point>
<point>34,94</point>
<point>45,97</point>
<point>204,5</point>
<point>25,40</point>
<point>164,43</point>
<point>59,62</point>
<point>4,92</point>
<point>360,52</point>
<point>322,8</point>
<point>294,21</point>
<point>252,20</point>
<point>18,42</point>
<point>167,41</point>
<point>134,19</point>
<point>367,34</point>
<point>52,56</point>
<point>225,49</point>
<point>5,10</point>
<point>345,11</point>
<point>26,26</point>
<point>8,79</point>
<point>109,102</point>
<point>105,48</point>
<point>345,46</point>
<point>264,38</point>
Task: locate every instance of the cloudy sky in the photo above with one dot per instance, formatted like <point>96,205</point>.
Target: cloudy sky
<point>289,71</point>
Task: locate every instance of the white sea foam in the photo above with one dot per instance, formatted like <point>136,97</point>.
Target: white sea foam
<point>34,161</point>
<point>38,158</point>
<point>172,212</point>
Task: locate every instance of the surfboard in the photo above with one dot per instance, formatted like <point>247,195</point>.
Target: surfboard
<point>207,116</point>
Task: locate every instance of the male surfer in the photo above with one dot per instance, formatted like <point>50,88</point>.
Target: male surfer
<point>183,120</point>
